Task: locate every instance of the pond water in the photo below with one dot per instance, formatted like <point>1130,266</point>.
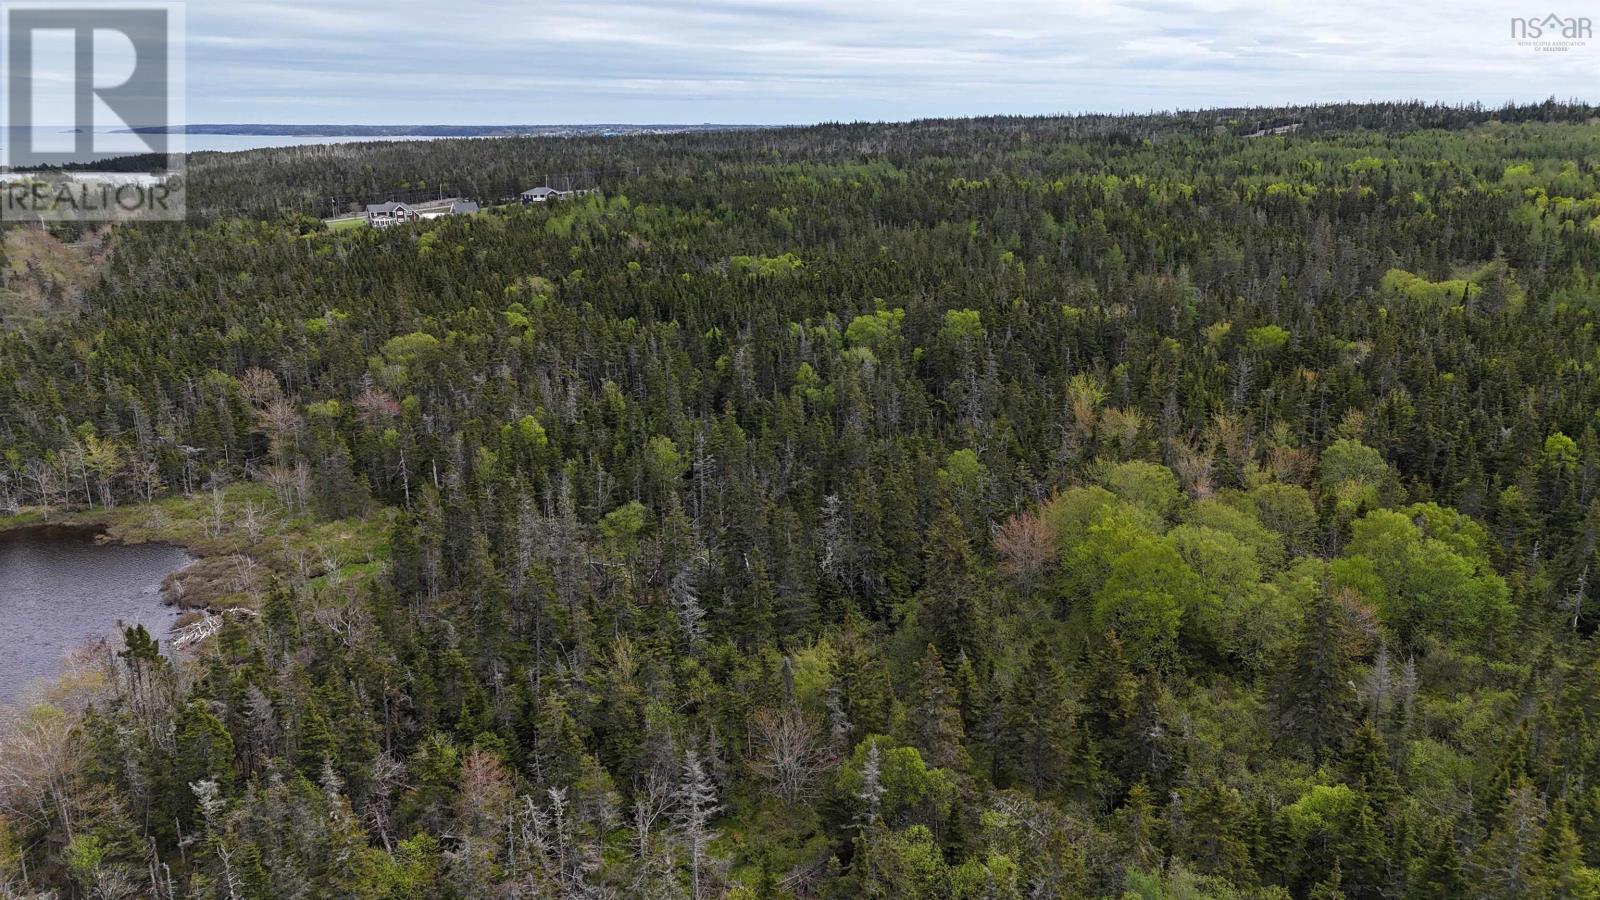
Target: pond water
<point>59,590</point>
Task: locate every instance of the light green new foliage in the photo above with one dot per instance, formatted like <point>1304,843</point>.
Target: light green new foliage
<point>531,433</point>
<point>1229,577</point>
<point>666,463</point>
<point>85,856</point>
<point>1202,580</point>
<point>1356,476</point>
<point>766,266</point>
<point>963,474</point>
<point>1140,586</point>
<point>1425,568</point>
<point>1109,531</point>
<point>1284,508</point>
<point>1267,338</point>
<point>393,366</point>
<point>1324,808</point>
<point>1069,514</point>
<point>621,526</point>
<point>1147,485</point>
<point>1213,513</point>
<point>1417,289</point>
<point>962,325</point>
<point>905,779</point>
<point>1561,452</point>
<point>877,332</point>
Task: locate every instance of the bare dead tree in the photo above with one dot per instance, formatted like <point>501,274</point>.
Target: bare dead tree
<point>1194,467</point>
<point>37,759</point>
<point>791,753</point>
<point>1574,600</point>
<point>653,798</point>
<point>49,483</point>
<point>386,776</point>
<point>697,803</point>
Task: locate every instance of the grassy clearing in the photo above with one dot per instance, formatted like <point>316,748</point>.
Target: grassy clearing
<point>29,515</point>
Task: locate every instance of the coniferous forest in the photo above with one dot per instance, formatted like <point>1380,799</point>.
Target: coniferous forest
<point>1000,508</point>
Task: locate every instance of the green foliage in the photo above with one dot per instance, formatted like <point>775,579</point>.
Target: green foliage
<point>1356,477</point>
<point>962,326</point>
<point>531,433</point>
<point>909,786</point>
<point>1427,570</point>
<point>1137,583</point>
<point>1202,515</point>
<point>664,460</point>
<point>766,266</point>
<point>1323,809</point>
<point>877,332</point>
<point>1148,486</point>
<point>620,528</point>
<point>1267,338</point>
<point>963,474</point>
<point>1561,452</point>
<point>1265,545</point>
<point>1068,515</point>
<point>1416,289</point>
<point>1286,509</point>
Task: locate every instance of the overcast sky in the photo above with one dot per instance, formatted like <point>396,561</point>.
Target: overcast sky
<point>796,61</point>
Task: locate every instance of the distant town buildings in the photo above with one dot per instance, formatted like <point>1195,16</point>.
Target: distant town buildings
<point>1281,129</point>
<point>399,212</point>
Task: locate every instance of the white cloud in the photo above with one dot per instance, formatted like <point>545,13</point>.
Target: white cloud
<point>482,61</point>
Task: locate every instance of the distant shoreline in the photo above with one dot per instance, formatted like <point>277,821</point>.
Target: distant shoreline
<point>402,131</point>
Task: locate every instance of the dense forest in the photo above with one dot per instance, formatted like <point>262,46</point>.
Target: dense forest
<point>1002,508</point>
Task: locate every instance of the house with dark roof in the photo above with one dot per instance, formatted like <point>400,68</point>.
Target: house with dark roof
<point>383,215</point>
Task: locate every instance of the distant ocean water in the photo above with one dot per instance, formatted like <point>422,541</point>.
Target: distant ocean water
<point>62,139</point>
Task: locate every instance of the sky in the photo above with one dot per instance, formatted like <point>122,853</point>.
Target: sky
<point>802,61</point>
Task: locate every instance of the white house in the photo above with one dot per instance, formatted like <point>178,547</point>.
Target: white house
<point>383,215</point>
<point>542,194</point>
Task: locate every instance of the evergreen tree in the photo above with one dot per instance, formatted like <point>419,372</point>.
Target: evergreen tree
<point>1315,700</point>
<point>1438,873</point>
<point>1035,741</point>
<point>1211,837</point>
<point>1367,769</point>
<point>203,752</point>
<point>951,608</point>
<point>935,717</point>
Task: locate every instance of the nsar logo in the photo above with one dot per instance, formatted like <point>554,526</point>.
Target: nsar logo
<point>1552,33</point>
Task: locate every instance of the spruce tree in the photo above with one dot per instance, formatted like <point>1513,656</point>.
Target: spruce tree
<point>1315,697</point>
<point>1034,743</point>
<point>951,609</point>
<point>935,717</point>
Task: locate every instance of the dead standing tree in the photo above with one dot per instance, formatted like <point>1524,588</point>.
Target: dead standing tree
<point>791,753</point>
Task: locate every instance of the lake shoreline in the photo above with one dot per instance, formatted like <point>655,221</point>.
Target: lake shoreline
<point>82,521</point>
<point>242,541</point>
<point>93,523</point>
<point>64,591</point>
